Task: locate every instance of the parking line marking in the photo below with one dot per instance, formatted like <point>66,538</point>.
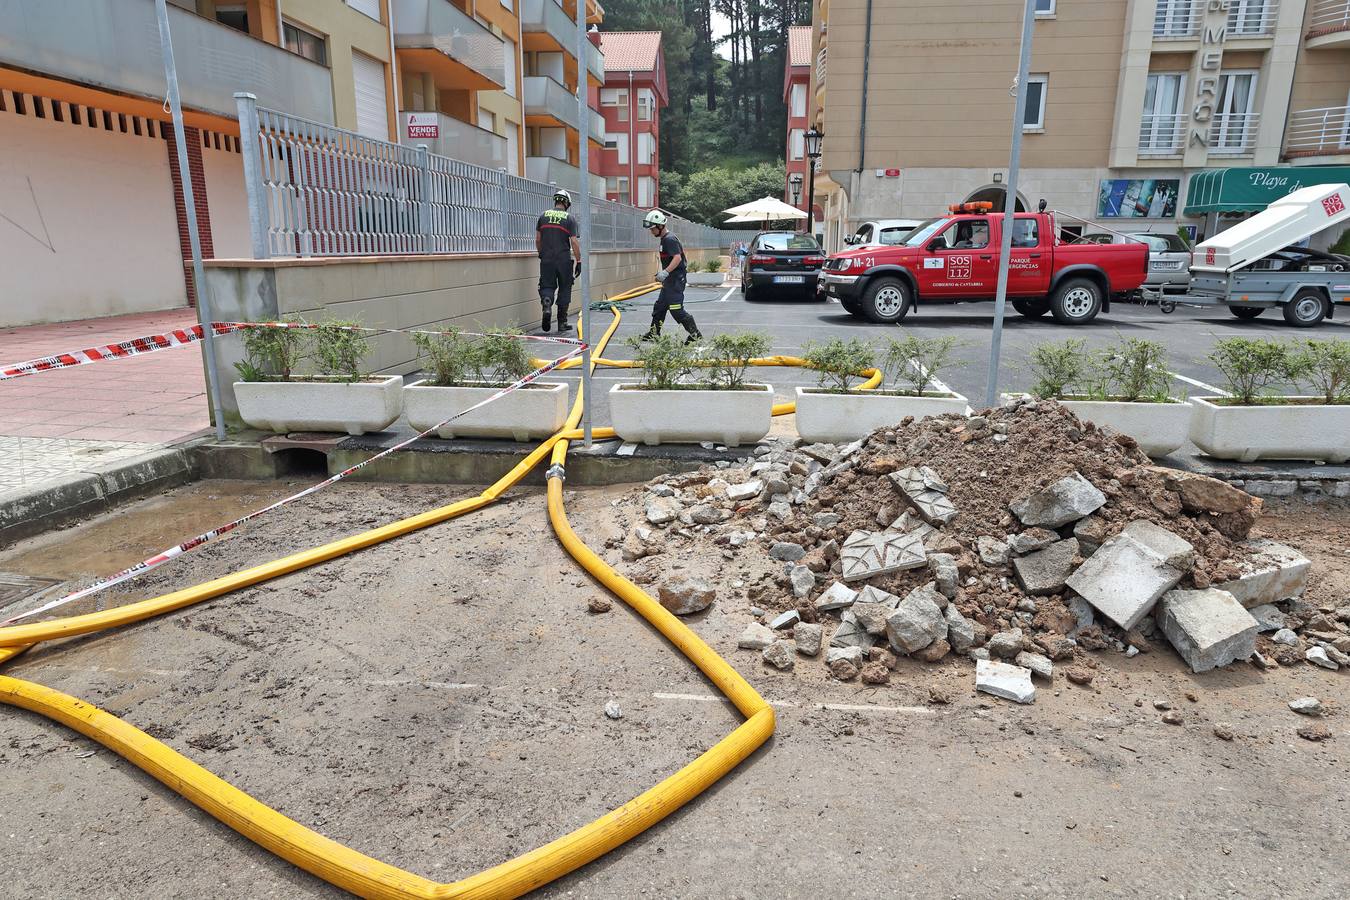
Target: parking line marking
<point>730,291</point>
<point>1199,384</point>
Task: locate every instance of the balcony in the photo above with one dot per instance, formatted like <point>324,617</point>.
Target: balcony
<point>115,46</point>
<point>460,140</point>
<point>1162,135</point>
<point>1233,134</point>
<point>548,103</point>
<point>548,27</point>
<point>1177,19</point>
<point>820,68</point>
<point>1318,132</point>
<point>597,127</point>
<point>1252,18</point>
<point>548,170</point>
<point>436,37</point>
<point>1329,25</point>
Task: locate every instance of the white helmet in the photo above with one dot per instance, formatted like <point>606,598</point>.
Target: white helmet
<point>653,218</point>
<point>561,196</point>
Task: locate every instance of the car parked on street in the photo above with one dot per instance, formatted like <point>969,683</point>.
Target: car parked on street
<point>1169,258</point>
<point>887,232</point>
<point>955,259</point>
<point>782,263</point>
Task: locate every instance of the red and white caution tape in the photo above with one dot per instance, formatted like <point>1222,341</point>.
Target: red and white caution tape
<point>182,337</point>
<point>164,556</point>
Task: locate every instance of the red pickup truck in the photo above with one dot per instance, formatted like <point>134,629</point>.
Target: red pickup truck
<point>954,259</point>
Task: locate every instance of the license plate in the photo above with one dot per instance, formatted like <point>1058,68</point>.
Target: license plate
<point>789,279</point>
<point>1167,265</point>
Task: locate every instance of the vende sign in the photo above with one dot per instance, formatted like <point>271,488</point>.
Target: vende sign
<point>423,125</point>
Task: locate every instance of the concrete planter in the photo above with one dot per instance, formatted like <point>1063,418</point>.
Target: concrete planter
<point>706,279</point>
<point>1160,428</point>
<point>840,418</point>
<point>321,404</point>
<point>1249,433</point>
<point>690,417</point>
<point>534,411</point>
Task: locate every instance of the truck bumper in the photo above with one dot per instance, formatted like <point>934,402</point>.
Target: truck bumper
<point>842,287</point>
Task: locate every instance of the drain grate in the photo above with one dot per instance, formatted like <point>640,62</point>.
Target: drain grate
<point>14,589</point>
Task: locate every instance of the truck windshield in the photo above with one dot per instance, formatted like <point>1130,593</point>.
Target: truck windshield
<point>923,232</point>
<point>896,235</point>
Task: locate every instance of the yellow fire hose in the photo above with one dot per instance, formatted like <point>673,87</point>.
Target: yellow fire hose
<point>338,864</point>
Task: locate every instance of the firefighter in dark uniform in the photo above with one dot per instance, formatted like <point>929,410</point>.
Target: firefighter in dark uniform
<point>673,276</point>
<point>555,238</point>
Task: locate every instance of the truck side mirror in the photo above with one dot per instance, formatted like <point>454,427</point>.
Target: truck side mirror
<point>850,239</point>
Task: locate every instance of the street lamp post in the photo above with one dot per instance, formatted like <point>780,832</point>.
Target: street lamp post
<point>795,185</point>
<point>814,137</point>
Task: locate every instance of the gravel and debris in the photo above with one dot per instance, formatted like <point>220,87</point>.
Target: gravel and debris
<point>1038,552</point>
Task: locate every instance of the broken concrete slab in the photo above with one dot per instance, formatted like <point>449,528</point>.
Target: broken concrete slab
<point>934,507</point>
<point>1208,628</point>
<point>914,480</point>
<point>739,492</point>
<point>960,630</point>
<point>785,620</point>
<point>662,510</point>
<point>684,595</point>
<point>871,616</point>
<point>1031,540</point>
<point>782,655</point>
<point>1175,550</point>
<point>1045,571</point>
<point>1268,617</point>
<point>868,553</point>
<point>808,637</point>
<point>786,551</point>
<point>917,621</point>
<point>1308,706</point>
<point>1318,657</point>
<point>836,596</point>
<point>1065,501</point>
<point>1038,664</point>
<point>756,637</point>
<point>1123,580</point>
<point>946,575</point>
<point>1005,681</point>
<point>1006,644</point>
<point>910,523</point>
<point>803,581</point>
<point>1272,572</point>
<point>855,655</point>
<point>851,633</point>
<point>992,551</point>
<point>871,594</point>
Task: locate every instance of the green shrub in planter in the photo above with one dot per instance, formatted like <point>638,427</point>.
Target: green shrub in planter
<point>273,354</point>
<point>713,265</point>
<point>495,359</point>
<point>1325,366</point>
<point>339,350</point>
<point>1252,365</point>
<point>730,356</point>
<point>838,362</point>
<point>1059,368</point>
<point>917,361</point>
<point>667,362</point>
<point>1133,371</point>
<point>449,356</point>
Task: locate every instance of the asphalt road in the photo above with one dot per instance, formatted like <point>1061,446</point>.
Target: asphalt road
<point>1188,334</point>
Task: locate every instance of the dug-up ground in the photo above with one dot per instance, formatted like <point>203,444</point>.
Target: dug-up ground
<point>464,694</point>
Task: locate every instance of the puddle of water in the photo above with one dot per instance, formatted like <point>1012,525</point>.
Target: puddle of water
<point>110,543</point>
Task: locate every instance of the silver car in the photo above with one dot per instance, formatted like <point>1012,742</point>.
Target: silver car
<point>1169,259</point>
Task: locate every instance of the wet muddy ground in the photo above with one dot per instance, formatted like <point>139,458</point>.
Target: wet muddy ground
<point>437,702</point>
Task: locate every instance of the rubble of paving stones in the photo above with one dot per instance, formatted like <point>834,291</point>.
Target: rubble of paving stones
<point>974,537</point>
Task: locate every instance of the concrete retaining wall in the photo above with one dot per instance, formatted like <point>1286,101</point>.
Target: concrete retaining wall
<point>470,291</point>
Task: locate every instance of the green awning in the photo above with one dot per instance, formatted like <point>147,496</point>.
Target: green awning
<point>1252,190</point>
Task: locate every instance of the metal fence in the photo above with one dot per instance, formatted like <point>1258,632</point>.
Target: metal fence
<point>316,190</point>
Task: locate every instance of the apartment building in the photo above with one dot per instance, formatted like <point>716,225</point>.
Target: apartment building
<point>92,218</point>
<point>796,86</point>
<point>631,100</point>
<point>1152,114</point>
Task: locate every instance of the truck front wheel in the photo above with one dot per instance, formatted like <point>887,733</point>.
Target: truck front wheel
<point>886,300</point>
<point>1308,308</point>
<point>1032,308</point>
<point>1076,302</point>
<point>850,306</point>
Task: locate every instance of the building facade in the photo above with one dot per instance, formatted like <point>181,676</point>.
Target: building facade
<point>1127,101</point>
<point>796,89</point>
<point>631,100</point>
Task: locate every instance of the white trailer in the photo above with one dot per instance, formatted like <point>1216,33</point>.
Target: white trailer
<point>1254,266</point>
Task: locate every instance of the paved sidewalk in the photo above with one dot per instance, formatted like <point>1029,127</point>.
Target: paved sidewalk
<point>60,422</point>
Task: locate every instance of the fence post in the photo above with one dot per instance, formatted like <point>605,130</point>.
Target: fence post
<point>247,106</point>
<point>424,207</point>
<point>500,209</point>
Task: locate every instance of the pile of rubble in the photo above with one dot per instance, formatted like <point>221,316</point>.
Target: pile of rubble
<point>1021,538</point>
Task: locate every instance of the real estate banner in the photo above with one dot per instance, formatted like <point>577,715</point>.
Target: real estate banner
<point>1138,198</point>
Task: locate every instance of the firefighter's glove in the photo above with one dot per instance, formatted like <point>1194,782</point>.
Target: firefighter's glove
<point>662,275</point>
<point>576,269</point>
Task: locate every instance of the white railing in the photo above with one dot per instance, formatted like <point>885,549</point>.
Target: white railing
<point>1177,18</point>
<point>820,67</point>
<point>1252,18</point>
<point>1162,135</point>
<point>1233,134</point>
<point>1319,132</point>
<point>1329,16</point>
<point>316,190</point>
